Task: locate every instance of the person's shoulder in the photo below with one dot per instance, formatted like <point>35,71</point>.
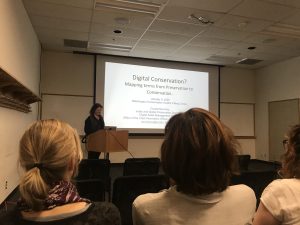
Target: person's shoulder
<point>241,189</point>
<point>149,198</point>
<point>240,194</point>
<point>281,185</point>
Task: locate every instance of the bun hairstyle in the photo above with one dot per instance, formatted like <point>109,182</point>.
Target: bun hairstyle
<point>47,149</point>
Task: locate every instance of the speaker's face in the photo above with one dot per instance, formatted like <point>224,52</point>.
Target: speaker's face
<point>98,111</point>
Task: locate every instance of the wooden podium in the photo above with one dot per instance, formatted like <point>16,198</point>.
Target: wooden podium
<point>108,141</point>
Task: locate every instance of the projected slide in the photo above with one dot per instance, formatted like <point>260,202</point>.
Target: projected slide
<point>144,97</point>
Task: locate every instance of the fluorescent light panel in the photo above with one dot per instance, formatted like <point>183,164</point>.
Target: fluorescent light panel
<point>123,48</point>
<point>283,30</point>
<point>128,5</point>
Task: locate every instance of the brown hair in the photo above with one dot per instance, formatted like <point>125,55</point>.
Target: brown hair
<point>291,159</point>
<point>198,152</point>
<point>47,149</point>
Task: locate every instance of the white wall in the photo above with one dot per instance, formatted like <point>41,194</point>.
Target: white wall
<point>20,57</point>
<point>276,82</point>
<point>66,73</point>
<point>72,74</point>
<point>238,86</point>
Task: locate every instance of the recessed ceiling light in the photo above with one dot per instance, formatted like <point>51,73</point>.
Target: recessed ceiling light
<point>117,31</point>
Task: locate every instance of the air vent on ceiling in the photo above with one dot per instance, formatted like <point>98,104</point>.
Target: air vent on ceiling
<point>123,48</point>
<point>75,43</point>
<point>129,5</point>
<point>247,61</point>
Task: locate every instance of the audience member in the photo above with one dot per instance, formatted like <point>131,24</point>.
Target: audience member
<point>49,154</point>
<point>280,201</point>
<point>198,155</point>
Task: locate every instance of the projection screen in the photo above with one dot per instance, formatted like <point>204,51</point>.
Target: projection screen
<point>141,95</point>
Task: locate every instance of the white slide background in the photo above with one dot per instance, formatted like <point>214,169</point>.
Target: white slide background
<point>145,97</point>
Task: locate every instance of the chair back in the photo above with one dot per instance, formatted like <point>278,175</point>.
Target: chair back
<point>95,169</point>
<point>141,166</point>
<point>92,189</point>
<point>127,188</point>
<point>243,161</point>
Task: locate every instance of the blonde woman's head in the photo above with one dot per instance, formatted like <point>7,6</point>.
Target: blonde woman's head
<point>49,151</point>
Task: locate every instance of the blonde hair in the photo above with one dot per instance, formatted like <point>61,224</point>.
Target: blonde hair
<point>47,149</point>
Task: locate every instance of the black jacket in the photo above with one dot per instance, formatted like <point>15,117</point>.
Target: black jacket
<point>99,213</point>
<point>92,125</point>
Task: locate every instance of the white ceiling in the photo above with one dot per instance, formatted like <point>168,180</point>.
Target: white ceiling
<point>272,26</point>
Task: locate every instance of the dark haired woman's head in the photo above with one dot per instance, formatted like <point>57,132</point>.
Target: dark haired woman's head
<point>198,152</point>
<point>291,158</point>
<point>94,108</point>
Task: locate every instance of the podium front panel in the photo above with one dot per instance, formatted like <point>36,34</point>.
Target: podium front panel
<point>108,141</point>
<point>96,141</point>
<point>117,141</point>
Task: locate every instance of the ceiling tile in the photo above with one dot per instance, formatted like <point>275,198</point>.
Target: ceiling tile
<point>242,23</point>
<point>270,40</point>
<point>182,14</point>
<point>88,4</point>
<point>104,29</point>
<point>267,56</point>
<point>55,47</point>
<point>150,53</point>
<point>157,45</point>
<point>293,3</point>
<point>111,40</point>
<point>46,40</point>
<point>293,19</point>
<point>165,37</point>
<point>262,10</point>
<point>64,34</point>
<point>211,5</point>
<point>174,34</point>
<point>211,42</point>
<point>265,49</point>
<point>234,53</point>
<point>196,51</point>
<point>176,27</point>
<point>109,18</point>
<point>57,11</point>
<point>279,50</point>
<point>59,23</point>
<point>225,34</point>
